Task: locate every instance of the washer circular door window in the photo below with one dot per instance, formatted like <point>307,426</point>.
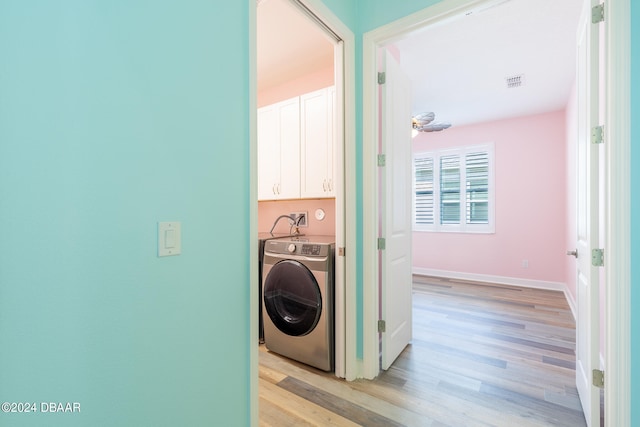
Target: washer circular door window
<point>292,298</point>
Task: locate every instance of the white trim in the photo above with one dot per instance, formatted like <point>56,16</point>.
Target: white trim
<point>502,280</point>
<point>345,197</point>
<point>338,161</point>
<point>489,278</point>
<point>352,363</point>
<point>370,136</point>
<point>617,358</point>
<point>437,14</point>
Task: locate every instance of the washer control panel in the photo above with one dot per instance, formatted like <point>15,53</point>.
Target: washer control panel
<point>313,247</point>
<point>309,249</point>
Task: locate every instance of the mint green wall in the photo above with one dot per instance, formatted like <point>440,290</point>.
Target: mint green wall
<point>376,13</point>
<point>115,115</point>
<point>346,10</point>
<point>635,213</point>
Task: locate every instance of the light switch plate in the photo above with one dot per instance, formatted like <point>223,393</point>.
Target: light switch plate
<point>169,241</point>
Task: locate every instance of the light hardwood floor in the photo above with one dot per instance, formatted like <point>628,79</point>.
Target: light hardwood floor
<point>481,355</point>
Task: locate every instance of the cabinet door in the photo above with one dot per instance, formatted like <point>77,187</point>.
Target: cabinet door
<point>289,137</point>
<point>315,138</point>
<point>279,151</point>
<point>268,153</point>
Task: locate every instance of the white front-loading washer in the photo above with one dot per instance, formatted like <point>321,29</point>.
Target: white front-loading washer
<point>298,299</point>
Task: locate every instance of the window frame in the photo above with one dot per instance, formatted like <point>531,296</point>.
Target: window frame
<point>462,226</point>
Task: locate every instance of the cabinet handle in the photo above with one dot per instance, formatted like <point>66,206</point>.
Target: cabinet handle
<point>330,181</point>
<point>324,185</point>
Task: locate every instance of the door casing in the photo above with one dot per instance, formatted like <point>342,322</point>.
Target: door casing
<point>617,213</point>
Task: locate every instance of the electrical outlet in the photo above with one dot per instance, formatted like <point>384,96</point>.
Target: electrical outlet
<point>301,218</point>
<point>525,263</point>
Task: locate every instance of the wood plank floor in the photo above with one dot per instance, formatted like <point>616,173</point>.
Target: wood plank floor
<point>481,355</point>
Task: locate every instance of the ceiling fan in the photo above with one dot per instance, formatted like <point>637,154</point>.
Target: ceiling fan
<point>423,122</point>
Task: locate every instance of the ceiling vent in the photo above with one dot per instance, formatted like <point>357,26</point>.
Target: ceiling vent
<point>515,81</point>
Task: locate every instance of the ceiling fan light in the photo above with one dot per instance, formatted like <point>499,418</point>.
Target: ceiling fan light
<point>423,119</point>
<point>435,127</point>
<point>423,123</point>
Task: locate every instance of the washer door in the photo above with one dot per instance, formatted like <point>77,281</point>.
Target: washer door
<point>292,298</point>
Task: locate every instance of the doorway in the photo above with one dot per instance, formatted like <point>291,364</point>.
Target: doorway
<point>373,41</point>
<point>290,32</point>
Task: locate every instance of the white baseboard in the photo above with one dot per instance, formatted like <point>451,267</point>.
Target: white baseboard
<point>515,281</point>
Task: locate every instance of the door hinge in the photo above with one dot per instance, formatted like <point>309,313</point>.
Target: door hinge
<point>382,78</point>
<point>597,13</point>
<point>382,326</point>
<point>341,251</point>
<point>382,160</point>
<point>598,378</point>
<point>597,135</point>
<point>597,257</point>
<point>382,243</point>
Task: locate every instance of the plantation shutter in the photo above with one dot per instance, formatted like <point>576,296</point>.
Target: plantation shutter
<point>454,190</point>
<point>423,193</point>
<point>477,188</point>
<point>450,189</point>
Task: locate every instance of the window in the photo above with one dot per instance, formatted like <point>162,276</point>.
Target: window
<point>453,190</point>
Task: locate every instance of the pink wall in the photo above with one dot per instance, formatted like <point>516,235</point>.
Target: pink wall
<point>268,212</point>
<point>320,79</point>
<point>531,203</point>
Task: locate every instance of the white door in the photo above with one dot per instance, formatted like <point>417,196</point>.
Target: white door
<point>396,280</point>
<point>588,179</point>
<point>316,137</point>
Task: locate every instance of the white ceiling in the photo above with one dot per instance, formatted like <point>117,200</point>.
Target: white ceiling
<point>289,44</point>
<point>458,69</point>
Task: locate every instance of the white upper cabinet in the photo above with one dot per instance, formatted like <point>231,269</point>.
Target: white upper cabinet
<point>317,144</point>
<point>279,151</point>
<point>296,147</point>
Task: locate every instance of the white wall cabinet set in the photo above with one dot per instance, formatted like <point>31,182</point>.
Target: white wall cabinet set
<point>296,147</point>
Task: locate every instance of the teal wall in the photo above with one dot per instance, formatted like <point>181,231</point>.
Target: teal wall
<point>635,213</point>
<point>115,115</point>
<point>376,13</point>
<point>346,10</point>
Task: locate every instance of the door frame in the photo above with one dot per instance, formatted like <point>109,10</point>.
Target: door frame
<point>345,191</point>
<point>373,40</point>
<point>617,212</point>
